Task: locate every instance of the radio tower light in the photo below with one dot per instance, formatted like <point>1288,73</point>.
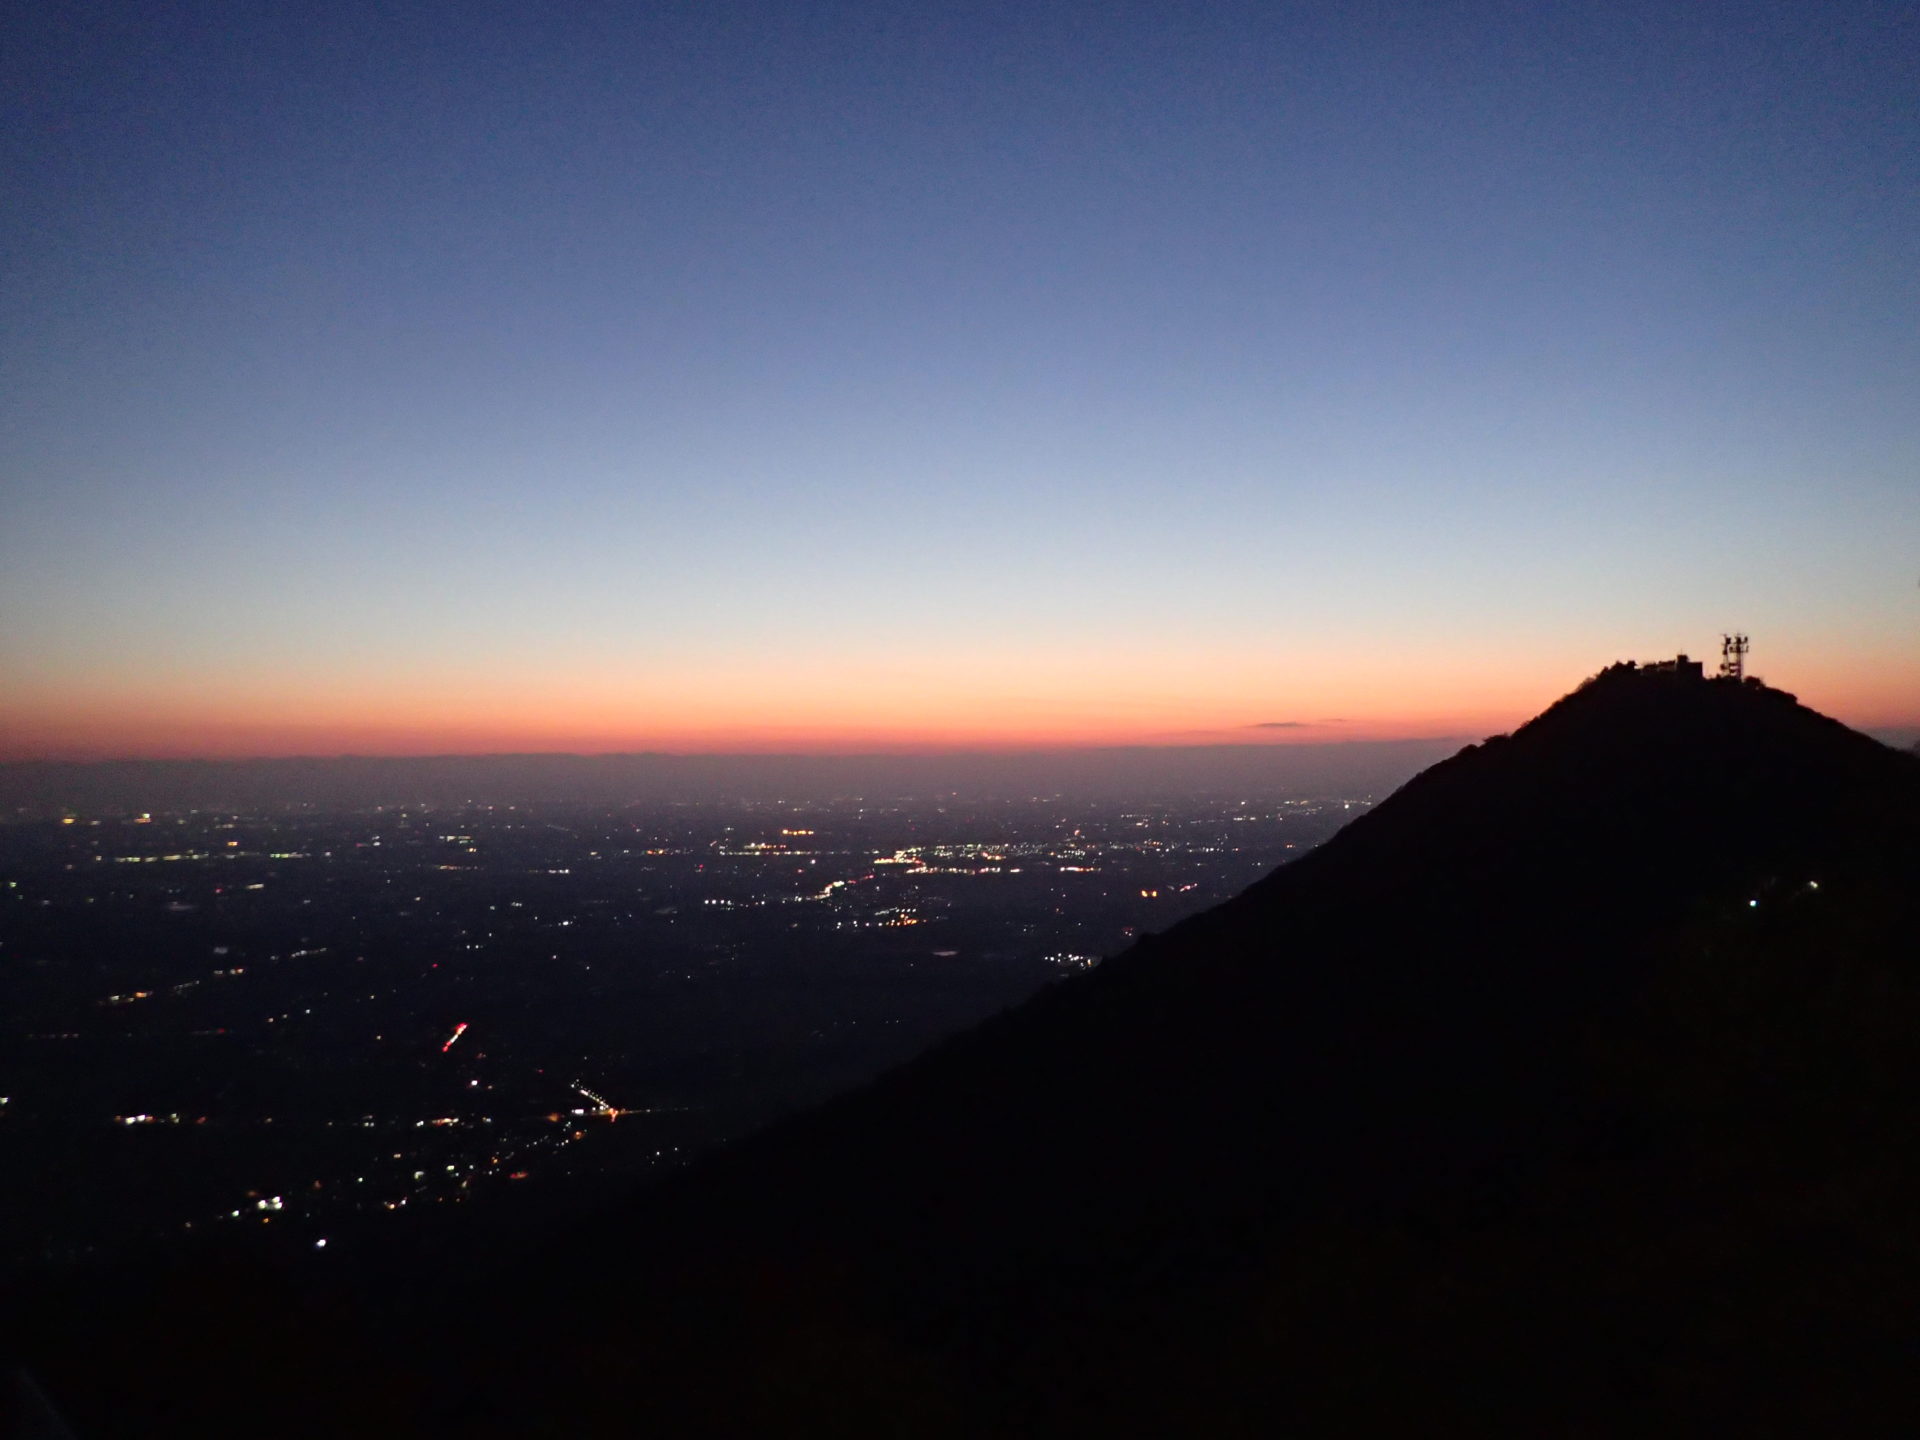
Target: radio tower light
<point>1733,658</point>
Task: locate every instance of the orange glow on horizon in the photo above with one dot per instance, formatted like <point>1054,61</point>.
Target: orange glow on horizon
<point>222,738</point>
<point>840,705</point>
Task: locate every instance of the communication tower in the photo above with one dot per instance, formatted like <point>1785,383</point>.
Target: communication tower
<point>1733,657</point>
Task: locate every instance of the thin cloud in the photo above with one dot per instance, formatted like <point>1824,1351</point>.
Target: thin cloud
<point>1279,725</point>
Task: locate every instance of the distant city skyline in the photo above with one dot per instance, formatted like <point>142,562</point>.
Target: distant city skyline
<point>847,379</point>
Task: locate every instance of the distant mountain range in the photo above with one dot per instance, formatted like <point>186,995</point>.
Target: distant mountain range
<point>1573,1090</point>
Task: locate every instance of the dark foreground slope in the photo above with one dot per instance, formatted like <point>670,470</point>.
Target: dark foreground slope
<point>1574,1090</point>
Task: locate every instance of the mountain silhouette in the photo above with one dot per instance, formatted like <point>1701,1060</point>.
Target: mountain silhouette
<point>1572,1090</point>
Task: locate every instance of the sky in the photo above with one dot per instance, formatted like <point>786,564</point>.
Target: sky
<point>782,377</point>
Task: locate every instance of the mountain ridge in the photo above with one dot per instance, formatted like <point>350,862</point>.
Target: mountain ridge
<point>1442,1023</point>
<point>1569,1090</point>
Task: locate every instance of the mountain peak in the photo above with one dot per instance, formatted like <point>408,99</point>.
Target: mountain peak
<point>1485,1111</point>
<point>1646,788</point>
<point>1571,1089</point>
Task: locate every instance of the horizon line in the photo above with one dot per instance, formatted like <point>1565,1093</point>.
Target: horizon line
<point>1000,752</point>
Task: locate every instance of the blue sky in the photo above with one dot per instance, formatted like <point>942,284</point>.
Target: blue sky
<point>756,375</point>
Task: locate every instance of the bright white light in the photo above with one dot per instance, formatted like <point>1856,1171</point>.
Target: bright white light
<point>320,1244</point>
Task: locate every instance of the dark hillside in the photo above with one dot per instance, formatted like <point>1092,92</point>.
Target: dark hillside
<point>1565,1089</point>
<point>1571,1091</point>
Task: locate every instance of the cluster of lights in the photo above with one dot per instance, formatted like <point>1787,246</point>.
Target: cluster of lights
<point>1068,961</point>
<point>907,861</point>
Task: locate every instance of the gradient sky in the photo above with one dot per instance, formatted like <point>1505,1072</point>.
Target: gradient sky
<point>734,376</point>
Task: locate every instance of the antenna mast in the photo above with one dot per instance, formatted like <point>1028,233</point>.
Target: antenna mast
<point>1733,658</point>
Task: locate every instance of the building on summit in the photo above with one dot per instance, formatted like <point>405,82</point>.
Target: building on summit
<point>1733,663</point>
<point>1680,667</point>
